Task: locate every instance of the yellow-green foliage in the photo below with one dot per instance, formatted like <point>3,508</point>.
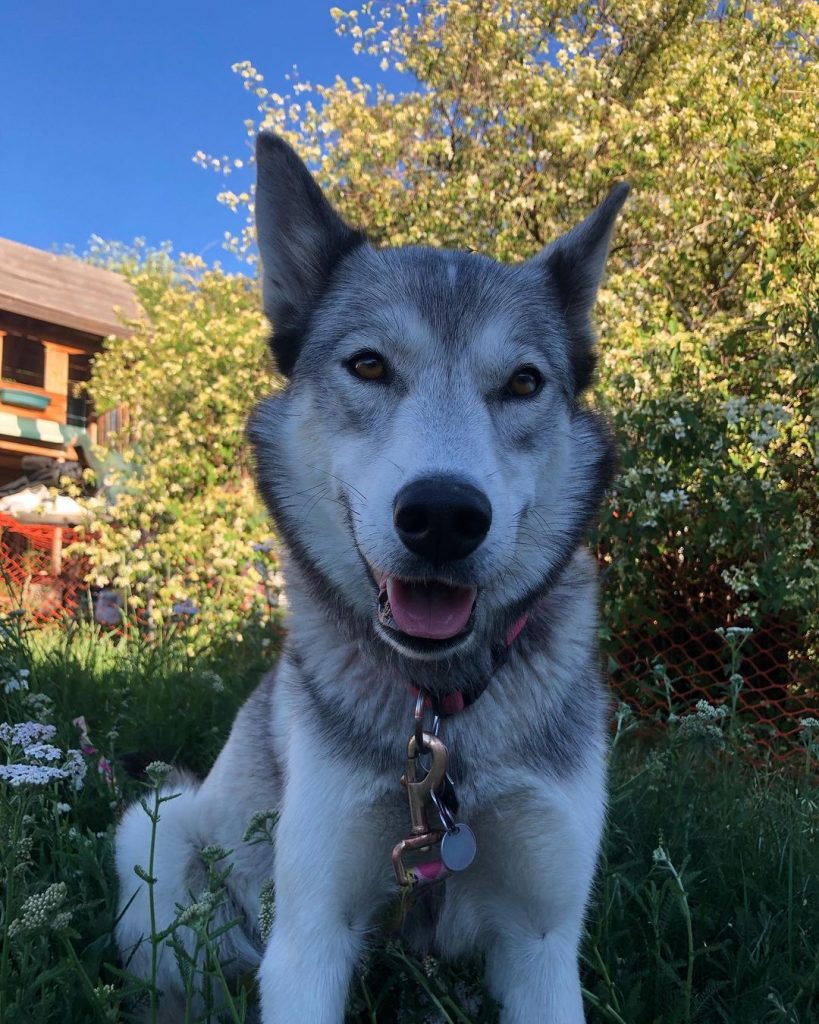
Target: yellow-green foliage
<point>186,518</point>
<point>516,118</point>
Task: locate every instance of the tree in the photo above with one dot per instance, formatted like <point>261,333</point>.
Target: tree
<point>516,118</point>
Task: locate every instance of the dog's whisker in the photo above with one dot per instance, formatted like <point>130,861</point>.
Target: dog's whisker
<point>340,479</point>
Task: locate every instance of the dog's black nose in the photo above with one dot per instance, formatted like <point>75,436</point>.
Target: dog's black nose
<point>441,518</point>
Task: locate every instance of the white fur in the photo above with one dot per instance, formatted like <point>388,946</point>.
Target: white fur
<point>333,452</point>
<point>521,903</point>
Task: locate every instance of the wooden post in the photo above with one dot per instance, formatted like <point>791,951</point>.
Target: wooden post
<point>57,551</point>
<point>56,368</point>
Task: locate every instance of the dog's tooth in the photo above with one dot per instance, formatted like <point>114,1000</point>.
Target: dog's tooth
<point>385,612</point>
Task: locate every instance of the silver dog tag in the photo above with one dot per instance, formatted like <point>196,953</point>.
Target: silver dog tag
<point>458,847</point>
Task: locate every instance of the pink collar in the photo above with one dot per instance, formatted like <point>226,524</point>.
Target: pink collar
<point>514,632</point>
<point>452,703</point>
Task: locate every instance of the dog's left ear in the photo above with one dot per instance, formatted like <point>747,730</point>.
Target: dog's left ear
<point>574,264</point>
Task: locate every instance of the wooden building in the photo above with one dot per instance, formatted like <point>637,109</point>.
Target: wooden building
<point>54,314</point>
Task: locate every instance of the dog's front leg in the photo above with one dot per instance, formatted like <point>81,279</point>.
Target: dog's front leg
<point>525,897</point>
<point>328,885</point>
<point>535,978</point>
<point>545,842</point>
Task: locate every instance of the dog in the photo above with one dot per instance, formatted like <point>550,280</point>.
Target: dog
<point>432,471</point>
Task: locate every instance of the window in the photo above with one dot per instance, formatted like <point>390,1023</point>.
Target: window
<point>24,360</point>
<point>79,404</point>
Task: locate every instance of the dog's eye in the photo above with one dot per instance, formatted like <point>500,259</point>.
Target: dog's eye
<point>524,382</point>
<point>367,366</point>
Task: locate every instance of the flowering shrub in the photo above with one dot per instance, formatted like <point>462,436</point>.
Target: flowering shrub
<point>187,540</point>
<point>514,120</point>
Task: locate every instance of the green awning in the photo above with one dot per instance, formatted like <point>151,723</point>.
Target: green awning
<point>28,428</point>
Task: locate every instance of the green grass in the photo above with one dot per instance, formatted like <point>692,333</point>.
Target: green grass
<point>705,908</point>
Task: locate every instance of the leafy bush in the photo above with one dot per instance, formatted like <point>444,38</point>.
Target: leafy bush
<point>709,317</point>
<point>187,530</point>
<point>515,118</point>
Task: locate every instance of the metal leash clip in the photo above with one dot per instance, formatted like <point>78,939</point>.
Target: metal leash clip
<point>458,846</point>
<point>421,837</point>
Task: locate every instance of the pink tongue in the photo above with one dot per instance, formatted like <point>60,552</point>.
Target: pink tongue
<point>431,610</point>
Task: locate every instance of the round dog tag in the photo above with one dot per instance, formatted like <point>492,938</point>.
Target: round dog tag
<point>458,847</point>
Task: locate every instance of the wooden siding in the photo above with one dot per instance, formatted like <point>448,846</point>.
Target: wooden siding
<point>56,383</point>
<point>63,291</point>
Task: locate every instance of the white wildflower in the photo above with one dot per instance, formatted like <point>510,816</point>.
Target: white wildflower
<point>42,912</point>
<point>158,771</point>
<point>676,422</point>
<point>75,768</point>
<point>17,775</point>
<point>213,680</point>
<point>17,682</point>
<point>31,740</point>
<point>212,853</point>
<point>43,752</point>
<point>198,912</point>
<point>709,712</point>
<point>734,635</point>
<point>704,721</point>
<point>24,734</point>
<point>39,705</point>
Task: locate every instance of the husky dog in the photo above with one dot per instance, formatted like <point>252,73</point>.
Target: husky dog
<point>432,472</point>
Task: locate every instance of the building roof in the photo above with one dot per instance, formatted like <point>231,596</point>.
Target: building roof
<point>63,290</point>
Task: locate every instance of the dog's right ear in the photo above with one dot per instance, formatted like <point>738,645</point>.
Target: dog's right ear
<point>301,240</point>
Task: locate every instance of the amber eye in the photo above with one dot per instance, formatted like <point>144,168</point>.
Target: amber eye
<point>524,382</point>
<point>367,366</point>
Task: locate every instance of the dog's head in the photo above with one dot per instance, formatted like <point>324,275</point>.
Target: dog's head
<point>428,464</point>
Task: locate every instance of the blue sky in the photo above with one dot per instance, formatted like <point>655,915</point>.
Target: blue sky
<point>103,104</point>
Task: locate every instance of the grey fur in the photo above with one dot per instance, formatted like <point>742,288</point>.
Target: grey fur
<point>324,737</point>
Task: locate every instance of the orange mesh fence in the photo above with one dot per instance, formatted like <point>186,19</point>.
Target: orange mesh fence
<point>665,655</point>
<point>35,576</point>
<point>663,649</point>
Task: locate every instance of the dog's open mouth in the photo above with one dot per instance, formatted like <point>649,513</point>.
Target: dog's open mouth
<point>430,610</point>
